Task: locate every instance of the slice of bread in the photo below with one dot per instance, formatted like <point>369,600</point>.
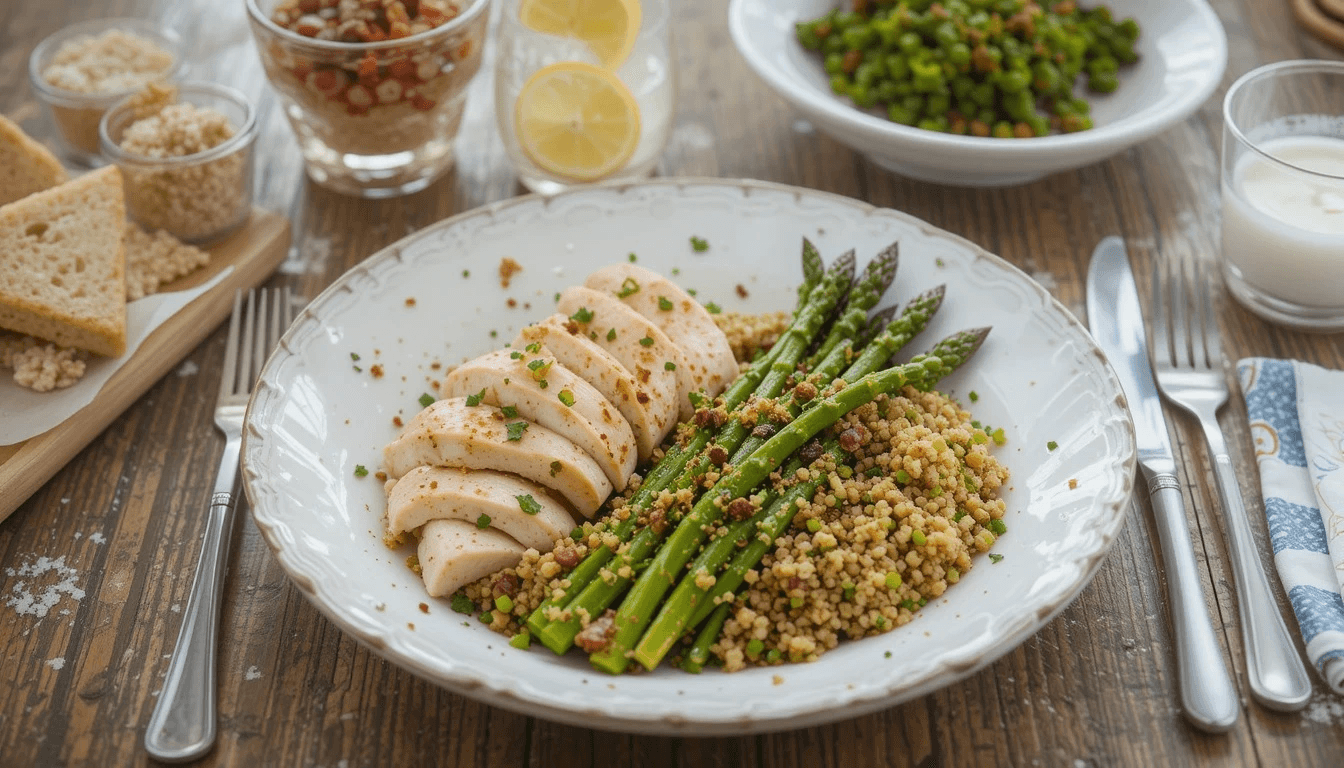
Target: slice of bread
<point>25,165</point>
<point>63,264</point>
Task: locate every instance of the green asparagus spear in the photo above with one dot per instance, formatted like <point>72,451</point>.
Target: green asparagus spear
<point>637,608</point>
<point>698,654</point>
<point>867,292</point>
<point>813,270</point>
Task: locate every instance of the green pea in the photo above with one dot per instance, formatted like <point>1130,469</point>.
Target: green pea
<point>840,84</point>
<point>938,104</point>
<point>834,63</point>
<point>911,42</point>
<point>898,113</point>
<point>897,66</point>
<point>959,54</point>
<point>1003,130</point>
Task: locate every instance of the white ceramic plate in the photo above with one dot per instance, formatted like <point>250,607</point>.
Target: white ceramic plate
<point>313,418</point>
<point>1182,49</point>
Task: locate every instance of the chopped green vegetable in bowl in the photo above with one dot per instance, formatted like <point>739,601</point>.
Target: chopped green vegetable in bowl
<point>1001,68</point>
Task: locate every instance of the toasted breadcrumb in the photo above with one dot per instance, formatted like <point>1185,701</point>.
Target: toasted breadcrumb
<point>112,62</point>
<point>747,333</point>
<point>40,365</point>
<point>507,269</point>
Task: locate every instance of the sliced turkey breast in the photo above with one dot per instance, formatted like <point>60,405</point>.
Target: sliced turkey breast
<point>651,414</point>
<point>518,507</point>
<point>549,394</point>
<point>681,317</point>
<point>453,434</point>
<point>642,348</point>
<point>454,553</point>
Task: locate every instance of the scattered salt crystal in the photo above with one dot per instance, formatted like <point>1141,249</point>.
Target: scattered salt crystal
<point>187,369</point>
<point>27,602</point>
<point>97,538</point>
<point>56,663</point>
<point>175,607</point>
<point>252,673</point>
<point>78,535</point>
<point>65,501</point>
<point>1325,710</point>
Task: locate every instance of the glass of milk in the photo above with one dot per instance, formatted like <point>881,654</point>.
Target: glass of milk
<point>1283,193</point>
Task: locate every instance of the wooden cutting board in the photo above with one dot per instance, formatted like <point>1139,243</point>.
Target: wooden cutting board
<point>254,252</point>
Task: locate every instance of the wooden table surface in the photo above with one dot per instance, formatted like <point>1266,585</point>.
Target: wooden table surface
<point>115,535</point>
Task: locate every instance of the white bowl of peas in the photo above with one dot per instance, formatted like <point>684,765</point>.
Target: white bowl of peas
<point>985,92</point>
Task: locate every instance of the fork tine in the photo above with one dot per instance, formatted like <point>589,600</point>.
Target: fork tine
<point>231,348</point>
<point>1181,336</point>
<point>1161,322</point>
<point>261,345</point>
<point>1213,347</point>
<point>245,352</point>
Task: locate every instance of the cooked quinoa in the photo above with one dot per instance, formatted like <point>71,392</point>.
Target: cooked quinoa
<point>747,332</point>
<point>887,532</point>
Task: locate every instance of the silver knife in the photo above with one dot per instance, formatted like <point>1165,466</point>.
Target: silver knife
<point>1113,313</point>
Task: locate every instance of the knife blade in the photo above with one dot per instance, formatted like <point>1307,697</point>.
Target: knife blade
<point>1116,321</point>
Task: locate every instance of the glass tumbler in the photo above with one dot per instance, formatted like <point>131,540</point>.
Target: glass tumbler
<point>375,116</point>
<point>1282,250</point>
<point>559,154</point>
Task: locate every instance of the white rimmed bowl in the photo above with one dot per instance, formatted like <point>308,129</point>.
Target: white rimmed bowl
<point>1182,49</point>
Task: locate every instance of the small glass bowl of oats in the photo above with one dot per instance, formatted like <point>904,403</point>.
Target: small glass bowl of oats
<point>375,90</point>
<point>186,158</point>
<point>82,70</point>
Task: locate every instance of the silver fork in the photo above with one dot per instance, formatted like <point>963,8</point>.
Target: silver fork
<point>182,726</point>
<point>1188,360</point>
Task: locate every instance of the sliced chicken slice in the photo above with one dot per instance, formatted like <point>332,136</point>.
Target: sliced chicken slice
<point>518,507</point>
<point>622,331</point>
<point>450,433</point>
<point>454,553</point>
<point>651,414</point>
<point>551,395</point>
<point>681,317</point>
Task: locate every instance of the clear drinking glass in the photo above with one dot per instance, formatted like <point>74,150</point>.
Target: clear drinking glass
<point>1283,193</point>
<point>647,72</point>
<point>373,119</point>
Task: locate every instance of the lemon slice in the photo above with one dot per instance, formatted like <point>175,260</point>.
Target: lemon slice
<point>609,27</point>
<point>576,121</point>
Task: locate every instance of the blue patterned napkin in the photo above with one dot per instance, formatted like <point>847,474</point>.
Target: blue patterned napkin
<point>1297,421</point>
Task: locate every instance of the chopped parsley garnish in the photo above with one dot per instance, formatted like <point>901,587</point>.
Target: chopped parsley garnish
<point>357,369</point>
<point>665,304</point>
<point>633,257</point>
<point>493,333</point>
<point>515,355</point>
<point>516,430</point>
<point>466,273</point>
<point>697,400</point>
<point>539,367</point>
<point>611,335</point>
<point>534,347</point>
<point>474,400</point>
<point>483,521</point>
<point>426,400</point>
<point>361,470</point>
<point>528,504</point>
<point>699,244</point>
<point>893,580</point>
<point>692,291</point>
<point>584,315</point>
<point>354,356</point>
<point>576,534</point>
<point>939,262</point>
<point>566,397</point>
<point>972,394</point>
<point>995,557</point>
<point>998,527</point>
<point>462,604</point>
<point>713,308</point>
<point>999,437</point>
<point>629,287</point>
<point>646,342</point>
<point>676,271</point>
<point>1052,445</point>
<point>669,366</point>
<point>919,538</point>
<point>902,477</point>
<point>543,383</point>
<point>555,470</point>
<point>886,655</point>
<point>509,411</point>
<point>873,471</point>
<point>521,641</point>
<point>813,525</point>
<point>557,297</point>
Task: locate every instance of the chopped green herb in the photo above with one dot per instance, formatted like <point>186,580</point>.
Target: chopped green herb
<point>957,517</point>
<point>939,262</point>
<point>528,504</point>
<point>543,383</point>
<point>493,333</point>
<point>516,429</point>
<point>466,273</point>
<point>995,557</point>
<point>908,605</point>
<point>426,400</point>
<point>483,521</point>
<point>515,355</point>
<point>354,356</point>
<point>504,603</point>
<point>893,580</point>
<point>521,641</point>
<point>902,477</point>
<point>611,335</point>
<point>539,367</point>
<point>998,527</point>
<point>555,470</point>
<point>534,347</point>
<point>676,271</point>
<point>646,342</point>
<point>361,470</point>
<point>886,655</point>
<point>814,525</point>
<point>669,366</point>
<point>972,394</point>
<point>462,604</point>
<point>692,291</point>
<point>936,490</point>
<point>697,399</point>
<point>873,472</point>
<point>665,304</point>
<point>979,437</point>
<point>472,400</point>
<point>1052,445</point>
<point>953,575</point>
<point>773,655</point>
<point>357,369</point>
<point>880,622</point>
<point>754,647</point>
<point>557,297</point>
<point>629,287</point>
<point>584,315</point>
<point>699,244</point>
<point>919,538</point>
<point>509,411</point>
<point>487,618</point>
<point>566,397</point>
<point>848,589</point>
<point>713,308</point>
<point>795,602</point>
<point>999,437</point>
<point>633,257</point>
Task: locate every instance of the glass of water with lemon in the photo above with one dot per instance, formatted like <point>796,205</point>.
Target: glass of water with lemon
<point>584,89</point>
